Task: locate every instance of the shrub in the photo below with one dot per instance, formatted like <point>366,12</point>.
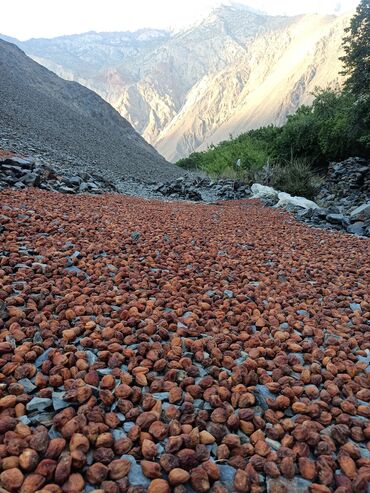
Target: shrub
<point>295,177</point>
<point>250,153</point>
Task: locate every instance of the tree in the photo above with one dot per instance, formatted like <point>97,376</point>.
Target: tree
<point>357,51</point>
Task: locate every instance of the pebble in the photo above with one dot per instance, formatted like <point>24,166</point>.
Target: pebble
<point>355,307</point>
<point>38,403</point>
<point>227,475</point>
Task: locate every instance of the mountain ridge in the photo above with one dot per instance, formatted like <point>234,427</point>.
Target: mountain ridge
<point>71,123</point>
<point>189,89</point>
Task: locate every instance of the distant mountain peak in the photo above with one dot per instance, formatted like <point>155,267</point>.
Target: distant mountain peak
<point>235,69</point>
<point>231,5</point>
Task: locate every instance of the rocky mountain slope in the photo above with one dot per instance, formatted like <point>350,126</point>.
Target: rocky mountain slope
<point>235,70</point>
<point>40,112</point>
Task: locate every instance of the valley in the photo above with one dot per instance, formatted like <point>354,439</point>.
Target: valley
<point>183,91</point>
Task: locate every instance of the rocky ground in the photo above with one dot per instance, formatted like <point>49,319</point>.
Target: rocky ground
<point>22,170</point>
<point>151,346</point>
<point>344,197</point>
<point>343,200</point>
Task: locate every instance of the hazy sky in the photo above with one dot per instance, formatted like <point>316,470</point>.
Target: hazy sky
<point>47,18</point>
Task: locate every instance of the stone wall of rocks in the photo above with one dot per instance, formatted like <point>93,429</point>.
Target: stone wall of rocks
<point>203,189</point>
<point>345,199</point>
<point>21,172</point>
<point>347,184</point>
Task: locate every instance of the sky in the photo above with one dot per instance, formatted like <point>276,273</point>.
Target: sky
<point>24,19</point>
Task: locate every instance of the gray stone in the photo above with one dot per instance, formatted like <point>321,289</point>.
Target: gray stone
<point>244,356</point>
<point>38,404</point>
<point>273,444</point>
<point>54,433</point>
<point>362,210</point>
<point>296,485</point>
<point>335,218</point>
<point>64,189</point>
<point>128,425</point>
<point>104,371</point>
<point>89,457</point>
<point>227,475</point>
<point>58,401</point>
<point>45,419</point>
<point>198,403</point>
<point>365,453</point>
<point>135,236</point>
<point>25,420</point>
<point>75,270</point>
<point>355,307</point>
<point>89,488</point>
<point>43,357</point>
<point>187,314</point>
<point>136,476</point>
<point>161,396</point>
<point>303,312</point>
<point>91,357</point>
<point>357,229</point>
<point>28,385</point>
<point>73,180</point>
<point>118,433</point>
<point>29,179</point>
<point>262,393</point>
<point>229,293</point>
<point>299,356</point>
<point>3,309</point>
<point>211,294</point>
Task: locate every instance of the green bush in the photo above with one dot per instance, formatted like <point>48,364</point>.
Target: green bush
<point>299,137</point>
<point>225,156</point>
<point>295,177</point>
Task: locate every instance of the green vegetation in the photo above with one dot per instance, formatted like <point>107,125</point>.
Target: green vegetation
<point>335,127</point>
<point>295,177</point>
<point>357,51</point>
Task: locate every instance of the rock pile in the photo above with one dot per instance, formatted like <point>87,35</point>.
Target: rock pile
<point>68,124</point>
<point>162,347</point>
<point>20,172</point>
<point>203,189</point>
<point>356,222</point>
<point>347,184</point>
<point>345,198</point>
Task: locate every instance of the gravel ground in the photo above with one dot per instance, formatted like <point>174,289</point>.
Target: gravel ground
<point>178,347</point>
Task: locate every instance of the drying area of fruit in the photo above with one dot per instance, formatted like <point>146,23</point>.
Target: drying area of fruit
<point>177,347</point>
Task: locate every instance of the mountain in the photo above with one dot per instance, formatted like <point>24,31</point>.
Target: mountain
<point>42,112</point>
<point>235,70</point>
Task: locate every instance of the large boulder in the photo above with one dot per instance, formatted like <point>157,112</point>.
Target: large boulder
<point>262,191</point>
<point>361,211</point>
<point>286,200</point>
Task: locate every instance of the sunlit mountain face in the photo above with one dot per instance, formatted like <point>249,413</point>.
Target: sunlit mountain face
<point>234,70</point>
